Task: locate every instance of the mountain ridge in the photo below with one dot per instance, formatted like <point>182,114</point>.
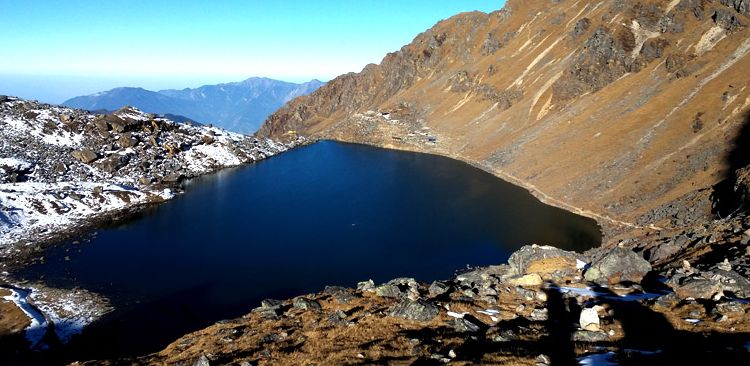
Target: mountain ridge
<point>621,111</point>
<point>238,106</point>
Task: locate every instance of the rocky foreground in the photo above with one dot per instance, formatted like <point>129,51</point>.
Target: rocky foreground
<point>64,171</point>
<point>545,307</point>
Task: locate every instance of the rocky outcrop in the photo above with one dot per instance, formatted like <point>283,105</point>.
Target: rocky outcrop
<point>618,110</point>
<point>62,169</point>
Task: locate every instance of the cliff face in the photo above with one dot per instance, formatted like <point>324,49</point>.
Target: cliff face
<point>625,111</point>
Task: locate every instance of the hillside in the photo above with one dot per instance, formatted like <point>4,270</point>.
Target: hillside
<point>239,107</point>
<point>624,111</point>
<point>631,112</point>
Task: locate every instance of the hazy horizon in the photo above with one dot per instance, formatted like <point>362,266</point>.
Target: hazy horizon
<point>55,51</point>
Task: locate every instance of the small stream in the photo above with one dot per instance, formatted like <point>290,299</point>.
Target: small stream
<point>324,214</point>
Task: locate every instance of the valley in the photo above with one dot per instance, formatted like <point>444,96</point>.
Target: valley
<point>381,234</point>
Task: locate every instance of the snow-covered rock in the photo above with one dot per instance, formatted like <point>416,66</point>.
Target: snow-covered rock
<point>61,167</point>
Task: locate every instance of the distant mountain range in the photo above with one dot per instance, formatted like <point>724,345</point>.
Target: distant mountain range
<point>239,107</point>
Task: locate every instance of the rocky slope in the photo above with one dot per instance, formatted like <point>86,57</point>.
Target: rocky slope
<point>630,112</point>
<point>239,107</point>
<point>625,111</point>
<point>64,170</point>
<point>545,307</point>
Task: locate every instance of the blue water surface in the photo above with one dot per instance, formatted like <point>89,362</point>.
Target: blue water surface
<point>325,214</point>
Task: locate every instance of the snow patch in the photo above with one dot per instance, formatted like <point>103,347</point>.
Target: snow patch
<point>38,328</point>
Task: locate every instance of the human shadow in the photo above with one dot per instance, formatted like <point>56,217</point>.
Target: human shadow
<point>650,336</point>
<point>726,200</point>
<point>647,336</point>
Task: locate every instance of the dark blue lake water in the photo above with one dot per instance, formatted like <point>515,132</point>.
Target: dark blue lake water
<point>325,214</point>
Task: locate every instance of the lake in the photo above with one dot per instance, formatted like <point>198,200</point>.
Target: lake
<point>324,214</point>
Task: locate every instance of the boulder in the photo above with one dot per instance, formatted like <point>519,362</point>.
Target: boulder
<point>418,310</point>
<point>388,290</point>
<point>539,315</point>
<point>305,304</point>
<point>127,140</point>
<point>202,361</point>
<point>438,288</point>
<point>270,304</point>
<point>172,178</point>
<point>85,156</point>
<point>589,336</point>
<point>619,265</point>
<point>731,281</point>
<point>338,317</point>
<point>698,288</point>
<point>368,285</point>
<point>589,319</point>
<point>342,294</point>
<point>466,324</point>
<point>544,260</point>
<point>529,280</point>
<point>114,163</point>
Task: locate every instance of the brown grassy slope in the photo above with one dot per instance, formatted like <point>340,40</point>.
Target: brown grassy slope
<point>613,109</point>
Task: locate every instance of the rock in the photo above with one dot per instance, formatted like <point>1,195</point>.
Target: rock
<point>418,310</point>
<point>338,317</point>
<point>529,280</point>
<point>468,324</point>
<point>126,140</point>
<point>479,279</point>
<point>341,294</point>
<point>589,319</point>
<point>619,265</point>
<point>698,288</point>
<point>101,125</point>
<point>727,20</point>
<point>589,336</point>
<point>61,168</point>
<point>741,6</point>
<point>387,290</point>
<point>305,304</point>
<point>725,265</point>
<point>368,285</point>
<point>731,281</point>
<point>539,315</point>
<point>114,163</point>
<point>207,139</point>
<point>732,307</point>
<point>543,360</point>
<point>270,304</point>
<point>172,178</point>
<point>202,361</point>
<point>85,156</point>
<point>544,260</point>
<point>582,25</point>
<point>438,288</point>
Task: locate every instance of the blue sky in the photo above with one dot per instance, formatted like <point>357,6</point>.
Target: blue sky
<point>53,50</point>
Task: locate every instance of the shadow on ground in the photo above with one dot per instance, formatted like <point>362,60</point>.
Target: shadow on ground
<point>727,200</point>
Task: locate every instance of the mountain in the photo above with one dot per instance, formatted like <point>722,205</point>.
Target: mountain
<point>127,153</point>
<point>632,112</point>
<point>240,106</point>
<point>623,111</point>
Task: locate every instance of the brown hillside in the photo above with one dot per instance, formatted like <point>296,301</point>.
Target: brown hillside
<point>625,111</point>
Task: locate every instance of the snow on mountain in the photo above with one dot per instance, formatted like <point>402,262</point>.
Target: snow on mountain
<point>62,168</point>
